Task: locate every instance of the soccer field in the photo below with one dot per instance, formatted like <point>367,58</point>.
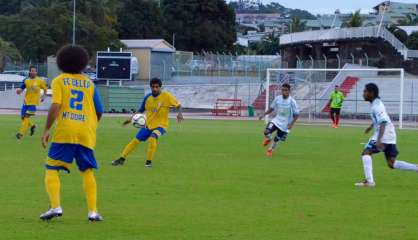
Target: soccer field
<point>211,180</point>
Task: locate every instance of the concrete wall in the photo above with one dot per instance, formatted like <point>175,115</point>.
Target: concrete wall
<point>144,61</point>
<point>10,100</point>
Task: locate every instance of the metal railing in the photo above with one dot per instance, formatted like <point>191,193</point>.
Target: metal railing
<point>349,33</point>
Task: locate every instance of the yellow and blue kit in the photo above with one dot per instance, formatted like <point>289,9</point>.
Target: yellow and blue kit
<point>75,131</point>
<point>32,98</point>
<point>156,109</point>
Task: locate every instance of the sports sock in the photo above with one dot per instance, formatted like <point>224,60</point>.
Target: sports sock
<point>274,145</point>
<point>152,148</point>
<point>90,189</point>
<point>24,126</point>
<point>332,117</point>
<point>368,168</point>
<point>130,147</point>
<point>52,186</point>
<point>337,118</point>
<point>30,123</point>
<point>405,166</point>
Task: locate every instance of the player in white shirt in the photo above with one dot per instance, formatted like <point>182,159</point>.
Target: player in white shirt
<point>383,139</point>
<point>287,114</point>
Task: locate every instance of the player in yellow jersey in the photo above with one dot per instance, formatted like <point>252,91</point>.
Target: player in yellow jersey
<point>156,106</point>
<point>76,109</point>
<point>33,85</point>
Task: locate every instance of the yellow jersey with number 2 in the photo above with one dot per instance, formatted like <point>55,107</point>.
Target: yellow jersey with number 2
<point>79,100</point>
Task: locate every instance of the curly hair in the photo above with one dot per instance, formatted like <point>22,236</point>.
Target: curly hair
<point>72,59</point>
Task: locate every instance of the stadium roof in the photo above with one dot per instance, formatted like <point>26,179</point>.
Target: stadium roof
<point>409,29</point>
<point>158,45</point>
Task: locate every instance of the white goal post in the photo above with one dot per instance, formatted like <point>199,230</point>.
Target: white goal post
<point>326,79</point>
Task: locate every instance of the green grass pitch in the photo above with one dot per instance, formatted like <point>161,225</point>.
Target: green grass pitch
<point>211,180</point>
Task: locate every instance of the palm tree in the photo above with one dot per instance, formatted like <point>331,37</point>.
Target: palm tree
<point>355,20</point>
<point>7,52</point>
<point>410,20</point>
<point>297,24</point>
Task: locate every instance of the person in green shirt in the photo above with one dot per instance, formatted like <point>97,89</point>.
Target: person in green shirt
<point>336,100</point>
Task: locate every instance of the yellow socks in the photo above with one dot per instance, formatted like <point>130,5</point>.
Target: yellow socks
<point>26,124</point>
<point>152,148</point>
<point>90,188</point>
<point>130,147</point>
<point>53,185</point>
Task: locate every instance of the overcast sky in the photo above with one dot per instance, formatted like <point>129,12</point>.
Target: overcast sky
<point>329,6</point>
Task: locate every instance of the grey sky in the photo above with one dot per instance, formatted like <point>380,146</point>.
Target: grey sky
<point>329,6</point>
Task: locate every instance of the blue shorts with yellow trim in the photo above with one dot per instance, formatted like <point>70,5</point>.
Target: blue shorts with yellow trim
<point>62,155</point>
<point>28,110</point>
<point>145,133</point>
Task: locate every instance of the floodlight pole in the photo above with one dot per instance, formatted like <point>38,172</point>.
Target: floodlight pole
<point>74,8</point>
<point>381,20</point>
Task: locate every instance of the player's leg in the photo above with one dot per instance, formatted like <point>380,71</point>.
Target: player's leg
<point>59,158</point>
<point>331,114</point>
<point>86,162</point>
<point>142,135</point>
<point>337,117</point>
<point>366,158</point>
<point>152,146</point>
<point>268,133</point>
<point>26,112</point>
<point>280,137</point>
<point>24,124</point>
<point>391,153</point>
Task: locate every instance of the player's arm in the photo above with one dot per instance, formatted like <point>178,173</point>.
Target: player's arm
<point>268,112</point>
<point>295,118</point>
<point>52,116</point>
<point>368,129</point>
<point>296,112</point>
<point>382,128</point>
<point>140,110</point>
<point>22,87</point>
<point>98,106</point>
<point>174,103</point>
<point>180,117</point>
<point>45,88</point>
<point>330,99</point>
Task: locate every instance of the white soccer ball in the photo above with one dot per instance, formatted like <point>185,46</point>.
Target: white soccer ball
<point>139,120</point>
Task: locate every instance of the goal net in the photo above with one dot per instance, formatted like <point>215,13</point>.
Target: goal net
<point>311,88</point>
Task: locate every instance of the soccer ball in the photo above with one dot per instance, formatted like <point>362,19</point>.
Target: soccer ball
<point>139,120</point>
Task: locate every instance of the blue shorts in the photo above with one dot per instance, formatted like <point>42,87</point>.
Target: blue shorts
<point>145,133</point>
<point>28,110</point>
<point>271,128</point>
<point>66,153</point>
<point>390,150</point>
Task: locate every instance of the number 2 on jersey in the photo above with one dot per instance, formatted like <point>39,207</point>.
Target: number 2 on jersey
<point>76,101</point>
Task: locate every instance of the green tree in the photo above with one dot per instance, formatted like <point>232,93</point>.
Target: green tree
<point>410,20</point>
<point>412,42</point>
<point>140,19</point>
<point>200,25</point>
<point>262,27</point>
<point>269,45</point>
<point>41,27</point>
<point>355,20</point>
<point>7,52</point>
<point>297,25</point>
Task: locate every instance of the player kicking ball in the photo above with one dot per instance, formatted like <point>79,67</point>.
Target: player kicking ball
<point>383,139</point>
<point>156,107</point>
<point>287,113</point>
